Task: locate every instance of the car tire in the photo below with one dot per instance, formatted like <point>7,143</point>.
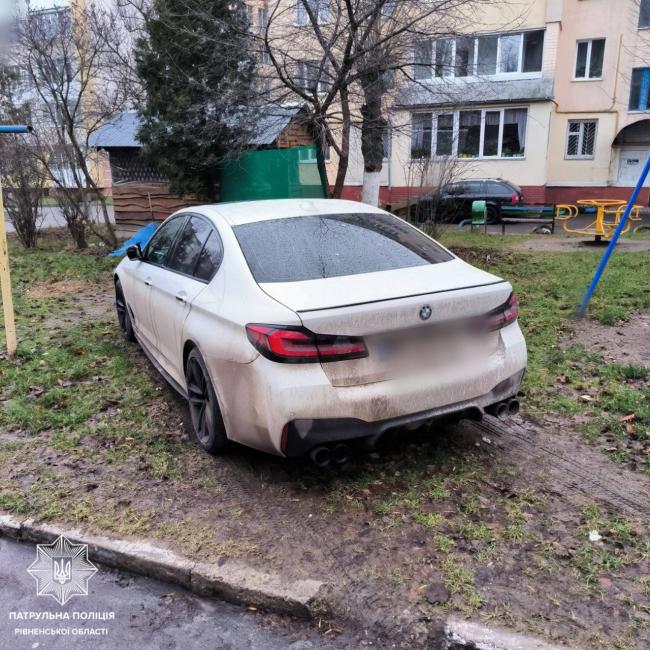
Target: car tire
<point>123,315</point>
<point>492,214</point>
<point>208,427</point>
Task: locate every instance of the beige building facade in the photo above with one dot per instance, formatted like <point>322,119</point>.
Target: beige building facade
<point>557,101</point>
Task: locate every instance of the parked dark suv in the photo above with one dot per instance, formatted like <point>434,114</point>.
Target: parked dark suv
<point>453,203</point>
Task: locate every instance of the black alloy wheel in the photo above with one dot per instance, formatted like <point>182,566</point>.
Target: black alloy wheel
<point>207,423</point>
<point>123,316</point>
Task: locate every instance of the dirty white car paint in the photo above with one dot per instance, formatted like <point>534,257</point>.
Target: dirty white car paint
<point>299,326</point>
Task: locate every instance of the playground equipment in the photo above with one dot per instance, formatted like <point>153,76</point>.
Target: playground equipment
<point>622,222</point>
<point>5,278</point>
<point>608,216</point>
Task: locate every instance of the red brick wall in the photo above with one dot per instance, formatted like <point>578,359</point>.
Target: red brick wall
<point>573,194</point>
<point>533,194</point>
<point>295,135</point>
<point>386,194</point>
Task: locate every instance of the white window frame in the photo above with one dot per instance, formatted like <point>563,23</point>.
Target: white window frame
<point>322,17</point>
<point>581,135</point>
<point>456,132</point>
<point>473,64</point>
<point>590,42</point>
<point>639,25</point>
<point>322,85</point>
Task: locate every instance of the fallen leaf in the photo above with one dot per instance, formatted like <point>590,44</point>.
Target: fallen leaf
<point>35,391</point>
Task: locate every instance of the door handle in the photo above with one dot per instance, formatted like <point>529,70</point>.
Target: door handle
<point>181,298</point>
<point>147,283</point>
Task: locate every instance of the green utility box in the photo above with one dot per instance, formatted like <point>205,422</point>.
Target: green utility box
<point>274,174</point>
<point>479,213</point>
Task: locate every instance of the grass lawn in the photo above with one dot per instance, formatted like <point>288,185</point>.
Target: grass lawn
<point>90,435</point>
<point>550,286</point>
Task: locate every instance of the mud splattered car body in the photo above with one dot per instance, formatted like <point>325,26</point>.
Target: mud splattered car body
<point>311,323</point>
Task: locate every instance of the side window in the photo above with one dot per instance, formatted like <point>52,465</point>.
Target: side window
<point>209,258</point>
<point>162,240</point>
<point>475,188</point>
<point>455,188</point>
<point>188,246</point>
<point>498,189</point>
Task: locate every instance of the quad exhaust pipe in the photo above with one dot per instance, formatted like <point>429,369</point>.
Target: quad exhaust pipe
<point>502,410</point>
<point>322,455</point>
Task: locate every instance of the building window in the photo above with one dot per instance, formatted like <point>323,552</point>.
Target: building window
<point>421,129</point>
<point>469,134</point>
<point>480,133</point>
<point>262,25</point>
<point>483,56</point>
<point>581,139</point>
<point>464,57</point>
<point>320,8</point>
<point>644,13</point>
<point>445,134</point>
<point>640,89</point>
<point>488,51</point>
<point>589,59</point>
<point>309,155</point>
<point>444,57</point>
<point>312,77</point>
<point>422,60</point>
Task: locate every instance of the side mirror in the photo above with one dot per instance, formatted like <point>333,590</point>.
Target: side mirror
<point>134,252</point>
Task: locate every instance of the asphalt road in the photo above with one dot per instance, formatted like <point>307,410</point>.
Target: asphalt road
<point>148,615</point>
<point>52,217</point>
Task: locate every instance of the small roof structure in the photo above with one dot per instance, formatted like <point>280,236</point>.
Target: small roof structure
<point>122,132</point>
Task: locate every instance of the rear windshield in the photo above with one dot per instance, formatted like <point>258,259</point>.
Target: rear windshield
<point>331,245</point>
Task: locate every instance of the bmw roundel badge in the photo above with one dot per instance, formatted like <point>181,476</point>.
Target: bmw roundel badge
<point>425,312</point>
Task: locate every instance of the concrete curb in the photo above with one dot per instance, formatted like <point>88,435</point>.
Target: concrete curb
<point>230,580</point>
<point>467,634</point>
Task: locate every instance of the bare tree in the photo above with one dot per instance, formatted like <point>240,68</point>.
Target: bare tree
<point>427,179</point>
<point>23,183</point>
<point>346,59</point>
<point>23,177</point>
<point>64,55</point>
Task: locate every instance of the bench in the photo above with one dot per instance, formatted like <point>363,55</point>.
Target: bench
<point>538,214</point>
<point>550,221</point>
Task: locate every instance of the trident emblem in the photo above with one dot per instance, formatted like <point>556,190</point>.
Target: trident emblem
<point>61,570</point>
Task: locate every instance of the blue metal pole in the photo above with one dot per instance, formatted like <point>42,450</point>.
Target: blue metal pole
<point>15,129</point>
<point>613,242</point>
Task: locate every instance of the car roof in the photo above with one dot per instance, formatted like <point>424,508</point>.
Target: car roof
<point>480,180</point>
<point>249,211</point>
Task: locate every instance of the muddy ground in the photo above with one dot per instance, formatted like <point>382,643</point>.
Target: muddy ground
<point>627,343</point>
<point>488,520</point>
<point>544,243</point>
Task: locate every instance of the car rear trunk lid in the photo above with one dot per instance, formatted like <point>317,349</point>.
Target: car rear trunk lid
<point>409,318</point>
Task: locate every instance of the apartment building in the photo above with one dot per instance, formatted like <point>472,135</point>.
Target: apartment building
<point>559,103</point>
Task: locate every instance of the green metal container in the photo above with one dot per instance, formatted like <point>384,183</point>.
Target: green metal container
<point>274,174</point>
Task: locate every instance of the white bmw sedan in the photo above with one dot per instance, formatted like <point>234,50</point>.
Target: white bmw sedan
<point>309,326</point>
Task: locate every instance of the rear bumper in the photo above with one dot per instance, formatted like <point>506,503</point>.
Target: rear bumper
<point>259,399</point>
<point>304,434</point>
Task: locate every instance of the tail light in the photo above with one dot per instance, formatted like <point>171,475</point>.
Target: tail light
<point>299,345</point>
<point>515,198</point>
<point>504,315</point>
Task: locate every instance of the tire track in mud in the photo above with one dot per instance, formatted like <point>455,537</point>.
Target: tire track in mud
<point>574,466</point>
